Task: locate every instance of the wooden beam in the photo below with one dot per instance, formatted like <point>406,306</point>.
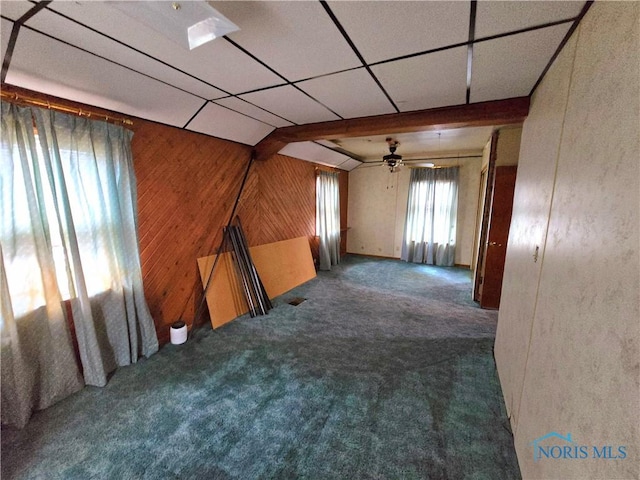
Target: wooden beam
<point>498,112</point>
<point>268,146</point>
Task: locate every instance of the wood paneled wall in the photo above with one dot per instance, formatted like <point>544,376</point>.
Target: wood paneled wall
<point>279,201</point>
<point>187,185</point>
<point>344,201</point>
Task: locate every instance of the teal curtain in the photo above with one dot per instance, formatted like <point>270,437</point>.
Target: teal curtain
<point>430,225</point>
<point>328,218</point>
<point>68,232</point>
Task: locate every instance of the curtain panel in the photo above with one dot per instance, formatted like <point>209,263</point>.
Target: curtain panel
<point>68,231</point>
<point>328,218</point>
<point>430,226</point>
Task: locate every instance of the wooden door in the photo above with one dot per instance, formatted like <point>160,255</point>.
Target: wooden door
<point>486,187</point>
<point>481,233</point>
<point>495,248</point>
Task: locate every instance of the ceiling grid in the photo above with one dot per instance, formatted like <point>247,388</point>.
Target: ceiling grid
<point>355,50</point>
<point>291,63</point>
<point>472,34</point>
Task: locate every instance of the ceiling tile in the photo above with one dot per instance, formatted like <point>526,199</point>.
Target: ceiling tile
<point>51,67</point>
<point>428,81</point>
<point>312,152</point>
<point>15,9</point>
<point>350,94</point>
<point>350,164</point>
<point>296,39</point>
<point>69,31</point>
<point>5,33</point>
<point>510,66</point>
<point>383,30</point>
<point>218,63</point>
<point>326,143</point>
<point>493,18</point>
<point>242,106</point>
<point>290,103</point>
<point>223,123</point>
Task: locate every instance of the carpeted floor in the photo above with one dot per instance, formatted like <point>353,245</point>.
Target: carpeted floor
<point>385,371</point>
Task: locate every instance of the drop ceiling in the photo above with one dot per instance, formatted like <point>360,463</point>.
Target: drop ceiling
<point>291,62</point>
<point>419,145</point>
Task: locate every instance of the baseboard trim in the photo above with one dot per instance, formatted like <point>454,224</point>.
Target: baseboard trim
<point>372,256</point>
<point>459,265</point>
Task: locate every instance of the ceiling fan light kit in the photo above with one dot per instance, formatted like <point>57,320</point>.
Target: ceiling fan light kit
<point>392,160</point>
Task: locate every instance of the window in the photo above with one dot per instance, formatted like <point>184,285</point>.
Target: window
<point>328,218</point>
<point>67,231</point>
<point>430,227</point>
<point>33,186</point>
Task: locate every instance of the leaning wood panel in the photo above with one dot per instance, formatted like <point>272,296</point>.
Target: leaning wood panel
<point>281,266</point>
<point>225,298</point>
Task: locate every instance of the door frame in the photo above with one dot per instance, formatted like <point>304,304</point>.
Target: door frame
<point>486,213</point>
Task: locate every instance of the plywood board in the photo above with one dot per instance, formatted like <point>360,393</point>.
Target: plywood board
<point>225,298</point>
<point>281,266</point>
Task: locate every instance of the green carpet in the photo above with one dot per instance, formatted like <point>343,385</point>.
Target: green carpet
<point>385,371</point>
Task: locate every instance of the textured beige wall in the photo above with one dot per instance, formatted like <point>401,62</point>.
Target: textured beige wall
<point>568,328</point>
<point>378,204</point>
<point>374,200</point>
<point>529,221</point>
<point>508,146</point>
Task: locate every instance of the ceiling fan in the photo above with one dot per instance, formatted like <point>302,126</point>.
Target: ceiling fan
<point>392,160</point>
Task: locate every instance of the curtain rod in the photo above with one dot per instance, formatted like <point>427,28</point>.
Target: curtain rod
<point>326,168</point>
<point>19,98</point>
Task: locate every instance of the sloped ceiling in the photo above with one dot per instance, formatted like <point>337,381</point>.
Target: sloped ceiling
<point>291,62</point>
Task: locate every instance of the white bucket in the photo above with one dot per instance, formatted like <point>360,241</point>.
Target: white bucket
<point>178,333</point>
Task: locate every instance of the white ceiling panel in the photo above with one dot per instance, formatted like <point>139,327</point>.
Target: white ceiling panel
<point>290,103</point>
<point>224,123</point>
<point>510,66</point>
<point>241,106</point>
<point>427,81</point>
<point>350,94</point>
<point>312,152</point>
<point>383,30</point>
<point>280,34</point>
<point>15,9</point>
<point>73,33</point>
<point>218,62</point>
<point>493,18</point>
<point>350,164</point>
<point>48,66</point>
<point>5,33</point>
<point>326,143</point>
